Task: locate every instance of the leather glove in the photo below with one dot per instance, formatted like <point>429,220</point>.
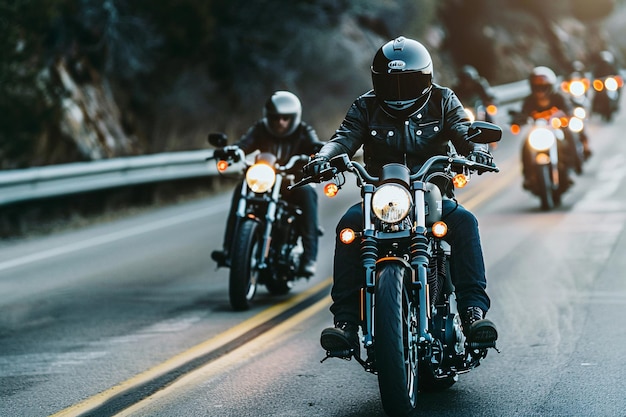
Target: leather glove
<point>316,165</point>
<point>481,155</point>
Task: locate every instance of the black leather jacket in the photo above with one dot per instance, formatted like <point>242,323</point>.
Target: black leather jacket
<point>411,142</point>
<point>303,141</point>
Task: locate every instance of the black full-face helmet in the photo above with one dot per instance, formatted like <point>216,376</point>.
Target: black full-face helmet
<point>402,73</point>
<point>285,105</point>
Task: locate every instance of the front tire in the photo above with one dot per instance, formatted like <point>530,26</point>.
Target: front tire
<point>243,271</point>
<point>546,193</point>
<point>396,353</point>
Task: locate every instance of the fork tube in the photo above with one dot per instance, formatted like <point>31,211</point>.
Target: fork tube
<point>270,216</point>
<point>420,259</point>
<point>369,255</point>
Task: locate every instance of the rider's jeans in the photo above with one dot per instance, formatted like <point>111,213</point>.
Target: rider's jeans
<point>466,263</point>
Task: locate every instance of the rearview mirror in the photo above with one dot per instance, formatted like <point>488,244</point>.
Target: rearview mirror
<point>219,140</point>
<point>484,132</point>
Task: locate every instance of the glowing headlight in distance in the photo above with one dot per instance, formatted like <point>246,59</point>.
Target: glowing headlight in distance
<point>580,112</point>
<point>541,139</point>
<point>260,177</point>
<point>610,84</point>
<point>470,115</point>
<point>391,203</point>
<point>577,88</point>
<point>575,124</point>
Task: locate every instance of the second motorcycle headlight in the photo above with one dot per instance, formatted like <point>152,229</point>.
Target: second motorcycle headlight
<point>541,139</point>
<point>260,177</point>
<point>391,203</point>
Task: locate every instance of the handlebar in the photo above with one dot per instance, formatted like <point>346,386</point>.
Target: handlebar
<point>236,154</point>
<point>342,163</point>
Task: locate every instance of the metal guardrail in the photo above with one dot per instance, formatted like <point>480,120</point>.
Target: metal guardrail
<point>57,180</point>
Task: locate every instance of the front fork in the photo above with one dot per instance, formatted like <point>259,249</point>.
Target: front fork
<point>270,216</point>
<point>418,264</point>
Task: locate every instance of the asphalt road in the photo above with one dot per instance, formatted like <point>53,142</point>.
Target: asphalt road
<point>132,318</point>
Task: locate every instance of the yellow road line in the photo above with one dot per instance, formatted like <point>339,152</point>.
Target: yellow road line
<point>262,343</point>
<point>189,355</point>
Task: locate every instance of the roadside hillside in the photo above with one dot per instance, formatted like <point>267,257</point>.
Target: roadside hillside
<point>88,80</point>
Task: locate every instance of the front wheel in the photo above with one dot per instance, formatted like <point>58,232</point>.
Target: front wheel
<point>395,324</point>
<point>546,188</point>
<point>244,272</point>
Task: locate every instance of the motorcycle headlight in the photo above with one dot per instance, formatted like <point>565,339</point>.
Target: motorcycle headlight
<point>470,114</point>
<point>580,112</point>
<point>577,88</point>
<point>575,124</point>
<point>541,139</point>
<point>391,203</point>
<point>260,177</point>
<point>611,84</point>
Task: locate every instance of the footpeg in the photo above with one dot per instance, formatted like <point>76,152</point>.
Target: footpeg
<point>345,354</point>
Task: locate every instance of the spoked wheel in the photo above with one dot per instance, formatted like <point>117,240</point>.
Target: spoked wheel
<point>395,325</point>
<point>243,271</point>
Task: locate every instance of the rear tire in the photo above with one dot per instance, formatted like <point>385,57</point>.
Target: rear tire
<point>243,272</point>
<point>396,355</point>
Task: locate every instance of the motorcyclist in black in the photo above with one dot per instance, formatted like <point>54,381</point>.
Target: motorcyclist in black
<point>605,65</point>
<point>405,119</point>
<point>282,133</point>
<point>472,87</point>
<point>545,101</point>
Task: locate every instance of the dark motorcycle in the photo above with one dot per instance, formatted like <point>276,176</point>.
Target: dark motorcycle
<point>266,240</point>
<point>577,88</point>
<point>411,327</point>
<point>549,152</point>
<point>606,96</point>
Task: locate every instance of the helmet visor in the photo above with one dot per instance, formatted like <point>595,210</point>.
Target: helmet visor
<point>540,87</point>
<point>401,86</point>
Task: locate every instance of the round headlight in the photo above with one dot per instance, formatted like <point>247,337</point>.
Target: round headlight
<point>611,84</point>
<point>541,139</point>
<point>577,88</point>
<point>260,177</point>
<point>469,114</point>
<point>576,124</point>
<point>391,203</point>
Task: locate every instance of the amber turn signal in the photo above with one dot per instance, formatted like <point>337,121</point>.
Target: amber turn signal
<point>331,189</point>
<point>515,129</point>
<point>347,236</point>
<point>440,229</point>
<point>222,165</point>
<point>460,180</point>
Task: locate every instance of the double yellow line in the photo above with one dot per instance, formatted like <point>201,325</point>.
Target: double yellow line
<point>204,348</point>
